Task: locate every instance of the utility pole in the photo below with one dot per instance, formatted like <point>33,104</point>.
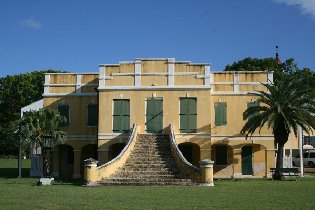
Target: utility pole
<point>300,136</point>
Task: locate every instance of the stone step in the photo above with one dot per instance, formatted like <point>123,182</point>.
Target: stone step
<point>145,181</point>
<point>150,163</point>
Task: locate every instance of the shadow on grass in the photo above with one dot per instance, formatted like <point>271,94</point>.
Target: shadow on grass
<point>73,182</point>
<point>14,173</point>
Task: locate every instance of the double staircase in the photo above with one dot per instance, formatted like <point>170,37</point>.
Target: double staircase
<point>150,163</point>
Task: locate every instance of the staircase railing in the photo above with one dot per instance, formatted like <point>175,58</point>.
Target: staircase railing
<point>186,167</point>
<point>109,168</point>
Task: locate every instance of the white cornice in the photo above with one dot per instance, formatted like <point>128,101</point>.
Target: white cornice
<point>191,87</point>
<point>49,95</point>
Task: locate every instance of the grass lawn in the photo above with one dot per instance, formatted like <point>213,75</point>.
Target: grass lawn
<point>243,194</point>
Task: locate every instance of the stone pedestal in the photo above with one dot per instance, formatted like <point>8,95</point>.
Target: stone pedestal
<point>36,165</point>
<point>206,167</point>
<point>90,175</point>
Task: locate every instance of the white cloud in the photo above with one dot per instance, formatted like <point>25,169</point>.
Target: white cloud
<point>306,6</point>
<point>31,23</point>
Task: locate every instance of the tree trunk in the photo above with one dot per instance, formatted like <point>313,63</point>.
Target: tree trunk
<point>46,162</point>
<point>281,135</point>
<point>279,163</point>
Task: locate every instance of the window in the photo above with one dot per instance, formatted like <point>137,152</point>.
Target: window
<point>312,155</point>
<point>121,116</point>
<point>221,155</point>
<point>92,118</point>
<point>220,114</point>
<point>305,155</point>
<point>64,110</point>
<point>188,115</point>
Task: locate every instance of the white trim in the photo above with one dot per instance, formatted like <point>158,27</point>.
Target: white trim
<point>240,83</point>
<point>231,93</point>
<point>137,73</point>
<point>71,85</point>
<point>101,76</point>
<point>47,81</point>
<point>207,75</point>
<point>240,72</point>
<point>171,71</point>
<point>189,87</point>
<point>78,83</point>
<point>68,94</point>
<point>236,86</point>
<point>70,73</point>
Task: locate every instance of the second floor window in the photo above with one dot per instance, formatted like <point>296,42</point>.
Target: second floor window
<point>220,111</point>
<point>64,110</point>
<point>92,115</point>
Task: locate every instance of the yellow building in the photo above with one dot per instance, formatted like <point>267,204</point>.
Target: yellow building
<point>204,107</point>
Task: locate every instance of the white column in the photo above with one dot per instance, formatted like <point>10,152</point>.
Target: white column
<point>171,71</point>
<point>47,82</point>
<point>101,76</point>
<point>137,72</point>
<point>207,75</point>
<point>78,83</point>
<point>236,82</point>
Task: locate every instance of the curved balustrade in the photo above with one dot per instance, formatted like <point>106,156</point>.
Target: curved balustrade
<point>96,174</point>
<point>192,171</point>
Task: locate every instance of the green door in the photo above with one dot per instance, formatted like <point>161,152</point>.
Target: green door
<point>247,160</point>
<point>154,116</point>
<point>188,115</point>
<point>121,116</point>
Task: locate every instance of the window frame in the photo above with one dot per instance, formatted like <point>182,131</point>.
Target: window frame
<point>67,123</point>
<point>222,122</point>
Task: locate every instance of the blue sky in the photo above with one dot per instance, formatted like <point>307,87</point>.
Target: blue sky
<point>78,35</point>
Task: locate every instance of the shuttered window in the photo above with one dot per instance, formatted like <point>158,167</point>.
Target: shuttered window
<point>121,116</point>
<point>221,155</point>
<point>220,114</point>
<point>154,115</point>
<point>188,115</point>
<point>64,110</point>
<point>92,118</point>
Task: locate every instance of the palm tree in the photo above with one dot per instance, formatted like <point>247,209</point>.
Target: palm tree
<point>40,128</point>
<point>283,106</point>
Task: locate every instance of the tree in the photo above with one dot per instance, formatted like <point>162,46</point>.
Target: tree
<point>284,106</point>
<point>42,126</point>
<point>17,91</point>
<point>288,68</point>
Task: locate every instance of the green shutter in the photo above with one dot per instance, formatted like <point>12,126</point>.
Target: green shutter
<point>92,115</point>
<point>188,115</point>
<point>154,115</point>
<point>220,114</point>
<point>121,116</point>
<point>64,111</point>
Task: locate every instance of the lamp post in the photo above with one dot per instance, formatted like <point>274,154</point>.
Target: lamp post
<point>21,131</point>
<point>47,148</point>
